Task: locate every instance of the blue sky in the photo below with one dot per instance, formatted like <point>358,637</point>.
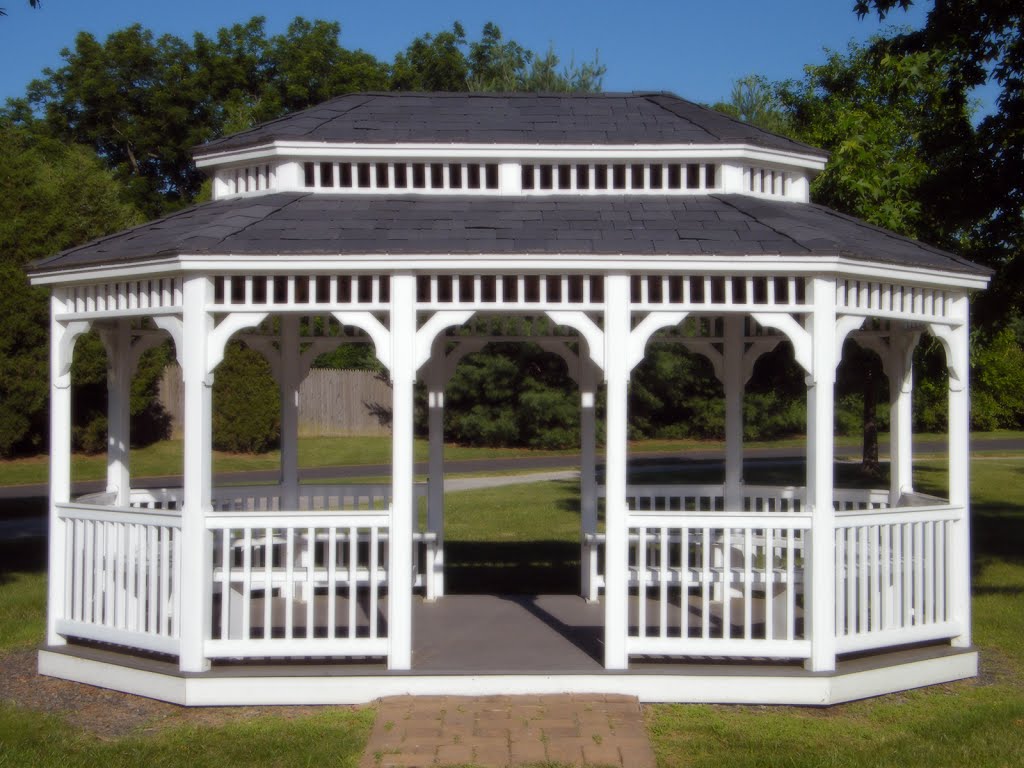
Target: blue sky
<point>695,48</point>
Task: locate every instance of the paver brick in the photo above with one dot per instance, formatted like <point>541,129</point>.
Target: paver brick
<point>601,754</point>
<point>455,754</point>
<point>567,750</point>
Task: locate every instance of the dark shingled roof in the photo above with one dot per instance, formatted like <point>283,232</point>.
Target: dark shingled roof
<point>296,223</point>
<point>457,118</point>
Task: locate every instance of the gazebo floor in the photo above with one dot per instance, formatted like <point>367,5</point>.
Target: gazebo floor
<point>504,645</point>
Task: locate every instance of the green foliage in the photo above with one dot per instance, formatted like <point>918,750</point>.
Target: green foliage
<point>997,381</point>
<point>246,406</point>
<point>754,100</point>
<point>895,129</point>
<point>448,62</point>
<point>52,196</point>
<point>512,395</point>
<point>982,41</point>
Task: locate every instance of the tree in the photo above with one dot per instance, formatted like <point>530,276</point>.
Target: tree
<point>33,3</point>
<point>52,196</point>
<point>983,42</point>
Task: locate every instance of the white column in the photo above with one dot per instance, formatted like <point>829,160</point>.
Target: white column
<point>403,375</point>
<point>435,473</point>
<point>60,465</point>
<point>616,592</point>
<point>196,544</point>
<point>290,379</point>
<point>819,565</point>
<point>119,382</point>
<point>960,471</point>
<point>734,386</point>
<point>588,476</point>
<point>901,386</point>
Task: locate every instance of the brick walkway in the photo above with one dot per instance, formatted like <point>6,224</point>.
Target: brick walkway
<point>508,730</point>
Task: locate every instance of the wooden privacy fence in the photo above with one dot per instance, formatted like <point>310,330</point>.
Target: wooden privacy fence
<point>332,403</point>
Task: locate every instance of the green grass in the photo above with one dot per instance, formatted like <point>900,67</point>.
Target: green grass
<point>514,534</point>
<point>333,737</point>
<point>165,458</point>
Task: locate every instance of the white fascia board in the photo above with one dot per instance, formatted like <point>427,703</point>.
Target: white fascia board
<point>165,267</point>
<point>527,263</point>
<point>513,152</point>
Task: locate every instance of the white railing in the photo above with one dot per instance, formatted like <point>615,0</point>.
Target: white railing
<point>893,576</point>
<point>294,584</point>
<point>326,497</point>
<point>716,584</point>
<point>122,576</point>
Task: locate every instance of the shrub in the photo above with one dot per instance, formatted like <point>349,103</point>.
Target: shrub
<point>246,403</point>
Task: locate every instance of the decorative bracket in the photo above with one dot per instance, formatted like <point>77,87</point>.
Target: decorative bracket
<point>175,327</point>
<point>646,328</point>
<point>956,359</point>
<point>586,327</point>
<point>429,330</point>
<point>374,328</point>
<point>65,349</point>
<point>845,325</point>
<point>226,328</point>
<point>707,349</point>
<point>800,337</point>
<point>755,351</point>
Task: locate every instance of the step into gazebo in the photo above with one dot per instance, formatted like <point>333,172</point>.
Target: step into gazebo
<point>428,225</point>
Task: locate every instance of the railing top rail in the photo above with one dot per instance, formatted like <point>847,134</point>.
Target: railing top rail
<point>285,519</point>
<point>664,518</point>
<point>76,510</point>
<point>894,515</point>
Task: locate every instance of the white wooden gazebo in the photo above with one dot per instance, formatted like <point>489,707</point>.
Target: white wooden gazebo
<point>593,225</point>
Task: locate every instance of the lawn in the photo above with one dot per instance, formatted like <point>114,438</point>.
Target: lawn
<point>165,458</point>
<point>533,530</point>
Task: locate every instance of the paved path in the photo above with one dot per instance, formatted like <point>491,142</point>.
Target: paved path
<point>502,731</point>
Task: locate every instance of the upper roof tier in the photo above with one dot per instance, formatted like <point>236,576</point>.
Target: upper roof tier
<point>606,119</point>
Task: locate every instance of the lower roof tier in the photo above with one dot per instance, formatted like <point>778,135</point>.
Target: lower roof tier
<point>297,224</point>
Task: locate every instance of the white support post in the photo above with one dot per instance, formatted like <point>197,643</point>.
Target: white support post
<point>435,471</point>
<point>119,382</point>
<point>734,385</point>
<point>195,576</point>
<point>588,477</point>
<point>616,593</point>
<point>403,376</point>
<point>819,566</point>
<point>958,350</point>
<point>901,387</point>
<point>290,379</point>
<point>61,349</point>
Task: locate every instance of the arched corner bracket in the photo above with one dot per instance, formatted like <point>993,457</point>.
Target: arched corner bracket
<point>799,337</point>
<point>374,328</point>
<point>68,334</point>
<point>226,328</point>
<point>586,327</point>
<point>429,331</point>
<point>954,344</point>
<point>175,328</point>
<point>646,328</point>
<point>845,325</point>
<point>708,350</point>
<point>755,351</point>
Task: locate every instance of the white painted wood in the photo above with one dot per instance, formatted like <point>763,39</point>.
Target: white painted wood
<point>119,375</point>
<point>820,593</point>
<point>959,566</point>
<point>435,470</point>
<point>616,338</point>
<point>588,477</point>
<point>196,552</point>
<point>403,376</point>
<point>62,345</point>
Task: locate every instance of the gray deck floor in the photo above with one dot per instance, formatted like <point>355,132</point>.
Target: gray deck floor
<point>517,633</point>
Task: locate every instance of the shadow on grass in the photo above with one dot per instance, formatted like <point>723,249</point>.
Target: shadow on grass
<point>512,568</point>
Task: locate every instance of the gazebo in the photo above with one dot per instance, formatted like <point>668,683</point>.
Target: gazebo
<point>428,225</point>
